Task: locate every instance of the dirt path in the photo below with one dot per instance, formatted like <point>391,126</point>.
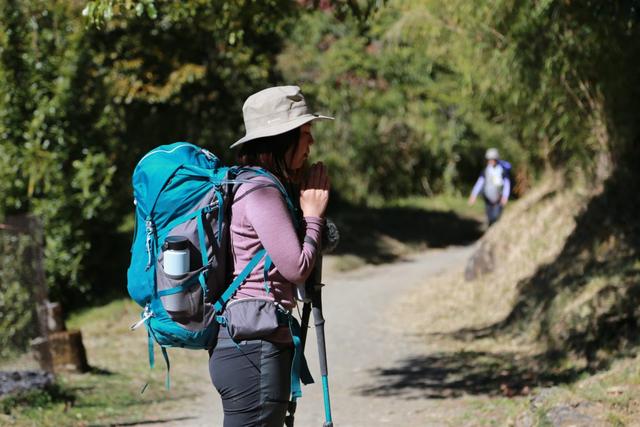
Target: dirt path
<point>361,344</point>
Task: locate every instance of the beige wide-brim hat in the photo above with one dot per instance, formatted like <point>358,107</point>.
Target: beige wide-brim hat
<point>273,111</point>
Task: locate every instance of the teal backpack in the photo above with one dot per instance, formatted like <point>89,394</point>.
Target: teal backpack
<point>183,190</point>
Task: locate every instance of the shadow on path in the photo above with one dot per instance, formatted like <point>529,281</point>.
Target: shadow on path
<point>446,375</point>
<point>366,232</point>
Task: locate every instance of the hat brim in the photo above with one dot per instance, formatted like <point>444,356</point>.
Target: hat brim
<point>279,128</point>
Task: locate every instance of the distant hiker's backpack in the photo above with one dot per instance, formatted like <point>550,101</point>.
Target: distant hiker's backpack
<point>183,196</point>
<point>506,169</point>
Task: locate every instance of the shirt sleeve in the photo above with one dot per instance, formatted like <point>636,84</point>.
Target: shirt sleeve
<point>506,188</point>
<point>478,186</point>
<point>271,219</point>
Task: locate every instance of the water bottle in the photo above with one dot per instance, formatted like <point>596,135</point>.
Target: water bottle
<point>176,256</point>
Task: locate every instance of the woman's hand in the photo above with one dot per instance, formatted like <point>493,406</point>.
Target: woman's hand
<point>314,191</point>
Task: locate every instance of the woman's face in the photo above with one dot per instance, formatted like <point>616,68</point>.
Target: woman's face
<point>297,155</point>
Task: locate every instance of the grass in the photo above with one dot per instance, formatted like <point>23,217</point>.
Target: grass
<point>441,203</point>
<point>613,395</point>
<point>110,393</point>
<point>496,411</point>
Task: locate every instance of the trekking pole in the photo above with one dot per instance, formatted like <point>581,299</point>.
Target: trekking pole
<point>313,302</point>
<point>316,303</point>
<point>330,239</point>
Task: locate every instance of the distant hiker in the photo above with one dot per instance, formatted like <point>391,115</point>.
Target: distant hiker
<point>253,376</point>
<point>495,184</point>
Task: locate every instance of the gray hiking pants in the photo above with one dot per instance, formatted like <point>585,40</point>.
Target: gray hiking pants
<point>253,379</point>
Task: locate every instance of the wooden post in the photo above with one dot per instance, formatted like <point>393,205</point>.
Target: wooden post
<point>33,259</point>
<point>56,349</point>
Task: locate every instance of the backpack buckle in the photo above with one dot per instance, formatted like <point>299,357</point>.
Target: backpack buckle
<point>207,153</point>
<point>146,315</point>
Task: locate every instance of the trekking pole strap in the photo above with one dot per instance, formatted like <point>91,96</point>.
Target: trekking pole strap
<point>304,325</point>
<point>299,368</point>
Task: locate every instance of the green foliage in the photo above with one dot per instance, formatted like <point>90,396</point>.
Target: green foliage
<point>100,12</point>
<point>419,89</point>
<point>405,123</point>
<point>427,85</point>
<point>58,125</point>
<point>79,104</point>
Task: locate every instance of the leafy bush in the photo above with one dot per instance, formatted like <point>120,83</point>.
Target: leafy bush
<point>80,104</point>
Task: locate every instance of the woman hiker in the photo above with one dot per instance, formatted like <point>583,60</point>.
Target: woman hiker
<point>253,377</point>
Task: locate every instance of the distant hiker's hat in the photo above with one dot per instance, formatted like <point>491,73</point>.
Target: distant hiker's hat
<point>492,154</point>
<point>273,111</point>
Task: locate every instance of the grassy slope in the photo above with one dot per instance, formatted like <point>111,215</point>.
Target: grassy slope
<point>564,271</point>
<point>531,232</point>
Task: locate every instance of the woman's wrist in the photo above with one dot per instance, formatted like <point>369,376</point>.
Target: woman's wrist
<point>312,213</point>
<point>314,218</point>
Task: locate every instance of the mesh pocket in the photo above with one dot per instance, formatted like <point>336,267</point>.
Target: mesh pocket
<point>183,303</point>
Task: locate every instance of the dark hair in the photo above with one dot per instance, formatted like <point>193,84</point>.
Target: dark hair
<point>277,146</point>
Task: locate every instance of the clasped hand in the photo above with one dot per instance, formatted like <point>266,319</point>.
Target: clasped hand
<point>314,191</point>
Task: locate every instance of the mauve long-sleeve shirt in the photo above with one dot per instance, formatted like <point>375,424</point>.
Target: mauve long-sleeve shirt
<point>260,218</point>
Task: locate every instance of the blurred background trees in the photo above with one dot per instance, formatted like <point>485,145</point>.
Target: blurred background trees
<point>419,89</point>
<point>80,103</point>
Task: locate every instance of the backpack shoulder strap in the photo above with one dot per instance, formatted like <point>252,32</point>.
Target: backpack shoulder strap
<point>506,168</point>
<point>233,287</point>
<point>245,175</point>
<point>251,190</point>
